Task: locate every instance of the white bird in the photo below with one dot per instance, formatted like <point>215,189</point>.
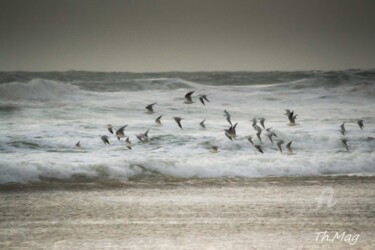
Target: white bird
<point>158,122</point>
<point>188,98</point>
<point>150,109</point>
<point>231,132</point>
<point>128,143</point>
<point>143,137</point>
<point>120,132</point>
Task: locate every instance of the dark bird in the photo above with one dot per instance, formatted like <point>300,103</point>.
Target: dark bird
<point>254,123</point>
<point>143,137</point>
<point>344,141</point>
<point>287,112</point>
<point>270,134</point>
<point>231,132</point>
<point>158,122</point>
<point>250,139</point>
<point>128,143</point>
<point>261,121</point>
<point>342,130</point>
<point>188,98</point>
<point>360,123</point>
<point>292,119</point>
<point>78,144</point>
<point>259,147</point>
<point>259,132</point>
<point>120,132</point>
<point>214,149</point>
<point>178,120</point>
<point>149,108</point>
<point>109,127</point>
<point>105,139</point>
<point>289,147</point>
<point>227,115</point>
<point>279,143</point>
<point>202,124</point>
<point>202,98</point>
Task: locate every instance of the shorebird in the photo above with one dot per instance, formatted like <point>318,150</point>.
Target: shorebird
<point>202,124</point>
<point>105,139</point>
<point>279,143</point>
<point>78,144</point>
<point>158,122</point>
<point>231,132</point>
<point>227,115</point>
<point>259,147</point>
<point>259,132</point>
<point>143,137</point>
<point>178,121</point>
<point>270,134</point>
<point>188,98</point>
<point>150,109</point>
<point>120,132</point>
<point>292,119</point>
<point>202,98</point>
<point>254,123</point>
<point>261,121</point>
<point>128,143</point>
<point>289,148</point>
<point>360,123</point>
<point>344,141</point>
<point>109,127</point>
<point>250,139</point>
<point>214,149</point>
<point>342,130</point>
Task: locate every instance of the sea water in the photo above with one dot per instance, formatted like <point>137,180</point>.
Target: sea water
<point>43,116</point>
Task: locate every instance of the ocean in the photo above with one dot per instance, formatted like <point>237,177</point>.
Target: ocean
<point>171,191</point>
<point>43,116</point>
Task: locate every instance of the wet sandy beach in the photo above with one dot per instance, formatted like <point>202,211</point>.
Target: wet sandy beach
<point>266,213</point>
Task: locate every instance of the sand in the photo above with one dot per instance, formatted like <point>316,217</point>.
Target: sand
<point>227,213</point>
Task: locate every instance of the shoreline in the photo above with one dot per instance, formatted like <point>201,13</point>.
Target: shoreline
<point>165,182</point>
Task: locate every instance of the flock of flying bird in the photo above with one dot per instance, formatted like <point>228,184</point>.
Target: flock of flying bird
<point>230,133</point>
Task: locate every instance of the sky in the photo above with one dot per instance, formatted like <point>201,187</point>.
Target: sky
<point>186,35</point>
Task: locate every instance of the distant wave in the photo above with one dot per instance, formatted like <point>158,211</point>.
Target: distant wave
<point>36,89</point>
<point>205,78</point>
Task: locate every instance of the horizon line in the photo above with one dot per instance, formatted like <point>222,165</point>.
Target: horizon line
<point>182,71</point>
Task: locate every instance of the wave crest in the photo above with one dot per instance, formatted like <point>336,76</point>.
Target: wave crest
<point>36,90</point>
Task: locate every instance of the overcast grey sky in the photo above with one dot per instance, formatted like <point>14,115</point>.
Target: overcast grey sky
<point>186,35</point>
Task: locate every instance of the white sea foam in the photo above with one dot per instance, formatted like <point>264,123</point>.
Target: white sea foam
<point>37,141</point>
